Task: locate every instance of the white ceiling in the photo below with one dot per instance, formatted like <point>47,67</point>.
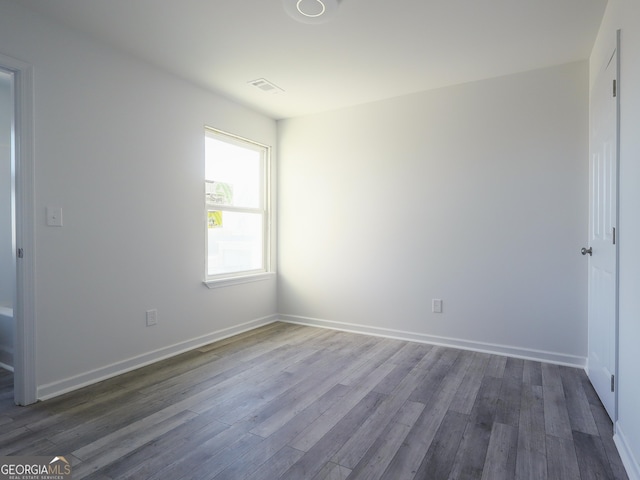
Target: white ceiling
<point>373,49</point>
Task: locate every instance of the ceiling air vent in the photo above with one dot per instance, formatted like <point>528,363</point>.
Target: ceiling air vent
<point>266,86</point>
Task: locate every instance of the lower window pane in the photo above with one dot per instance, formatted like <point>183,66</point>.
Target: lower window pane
<point>235,242</point>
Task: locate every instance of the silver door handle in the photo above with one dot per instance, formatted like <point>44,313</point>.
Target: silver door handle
<point>585,250</point>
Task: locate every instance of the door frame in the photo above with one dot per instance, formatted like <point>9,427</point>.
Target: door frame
<point>616,341</point>
<point>24,312</point>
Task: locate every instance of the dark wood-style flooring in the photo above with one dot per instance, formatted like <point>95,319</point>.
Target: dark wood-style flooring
<point>293,402</point>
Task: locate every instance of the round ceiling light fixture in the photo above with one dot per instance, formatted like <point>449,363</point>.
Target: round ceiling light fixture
<point>311,11</point>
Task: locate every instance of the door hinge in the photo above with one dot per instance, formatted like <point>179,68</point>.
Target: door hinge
<point>613,383</point>
<point>614,235</point>
<point>20,253</point>
<point>615,88</point>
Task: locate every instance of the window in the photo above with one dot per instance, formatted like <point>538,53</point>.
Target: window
<point>237,208</point>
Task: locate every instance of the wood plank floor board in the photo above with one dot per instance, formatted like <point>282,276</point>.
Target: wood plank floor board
<point>301,403</point>
<point>605,431</point>
<point>209,467</point>
<point>514,368</point>
<point>255,378</point>
<point>238,403</point>
<point>556,415</point>
<point>532,372</point>
<point>18,440</point>
<point>317,383</point>
<point>138,410</point>
<point>277,464</point>
<point>262,453</point>
<point>391,381</point>
<point>39,447</point>
<point>592,458</point>
<point>465,397</point>
<point>217,452</point>
<point>222,369</point>
<point>251,339</point>
<point>589,391</point>
<point>562,462</point>
<point>333,471</point>
<point>578,406</point>
<point>440,457</point>
<point>486,405</point>
<point>323,424</point>
<point>496,366</point>
<point>304,394</point>
<point>434,374</point>
<point>111,448</point>
<point>500,462</point>
<point>412,452</point>
<point>263,332</point>
<point>551,376</point>
<point>314,460</point>
<point>98,476</point>
<point>410,353</point>
<point>508,404</point>
<point>469,463</point>
<point>355,448</point>
<point>65,417</point>
<point>148,458</point>
<point>376,358</point>
<point>531,460</point>
<point>125,415</point>
<point>378,457</point>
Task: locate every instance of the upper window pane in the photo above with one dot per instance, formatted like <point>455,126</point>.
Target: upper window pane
<point>233,174</point>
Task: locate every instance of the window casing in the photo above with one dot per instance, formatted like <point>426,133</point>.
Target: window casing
<point>237,209</point>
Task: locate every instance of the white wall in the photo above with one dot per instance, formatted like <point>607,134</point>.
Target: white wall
<point>7,266</point>
<point>475,194</point>
<point>625,15</point>
<point>119,146</point>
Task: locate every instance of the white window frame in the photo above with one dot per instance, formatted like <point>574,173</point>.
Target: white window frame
<point>266,272</point>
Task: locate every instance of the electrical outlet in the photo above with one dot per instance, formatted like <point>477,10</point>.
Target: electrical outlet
<point>436,305</point>
<point>152,317</point>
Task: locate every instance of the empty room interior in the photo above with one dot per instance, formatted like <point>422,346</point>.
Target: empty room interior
<point>309,239</point>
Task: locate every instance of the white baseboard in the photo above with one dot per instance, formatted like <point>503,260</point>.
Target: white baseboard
<point>505,350</point>
<point>6,366</point>
<point>631,464</point>
<point>60,387</point>
<point>78,381</point>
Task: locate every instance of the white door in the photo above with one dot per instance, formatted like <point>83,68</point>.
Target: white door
<point>603,214</point>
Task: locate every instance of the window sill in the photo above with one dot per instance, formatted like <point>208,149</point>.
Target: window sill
<point>226,282</point>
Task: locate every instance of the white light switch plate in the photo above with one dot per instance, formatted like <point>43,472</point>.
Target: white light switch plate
<point>152,317</point>
<point>54,216</point>
<point>436,305</point>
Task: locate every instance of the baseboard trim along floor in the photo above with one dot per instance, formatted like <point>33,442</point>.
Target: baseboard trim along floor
<point>509,351</point>
<point>87,378</point>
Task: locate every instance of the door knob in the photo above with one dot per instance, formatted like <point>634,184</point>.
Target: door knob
<point>585,250</point>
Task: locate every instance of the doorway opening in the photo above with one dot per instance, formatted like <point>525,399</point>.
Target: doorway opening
<point>8,274</point>
<point>17,227</point>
